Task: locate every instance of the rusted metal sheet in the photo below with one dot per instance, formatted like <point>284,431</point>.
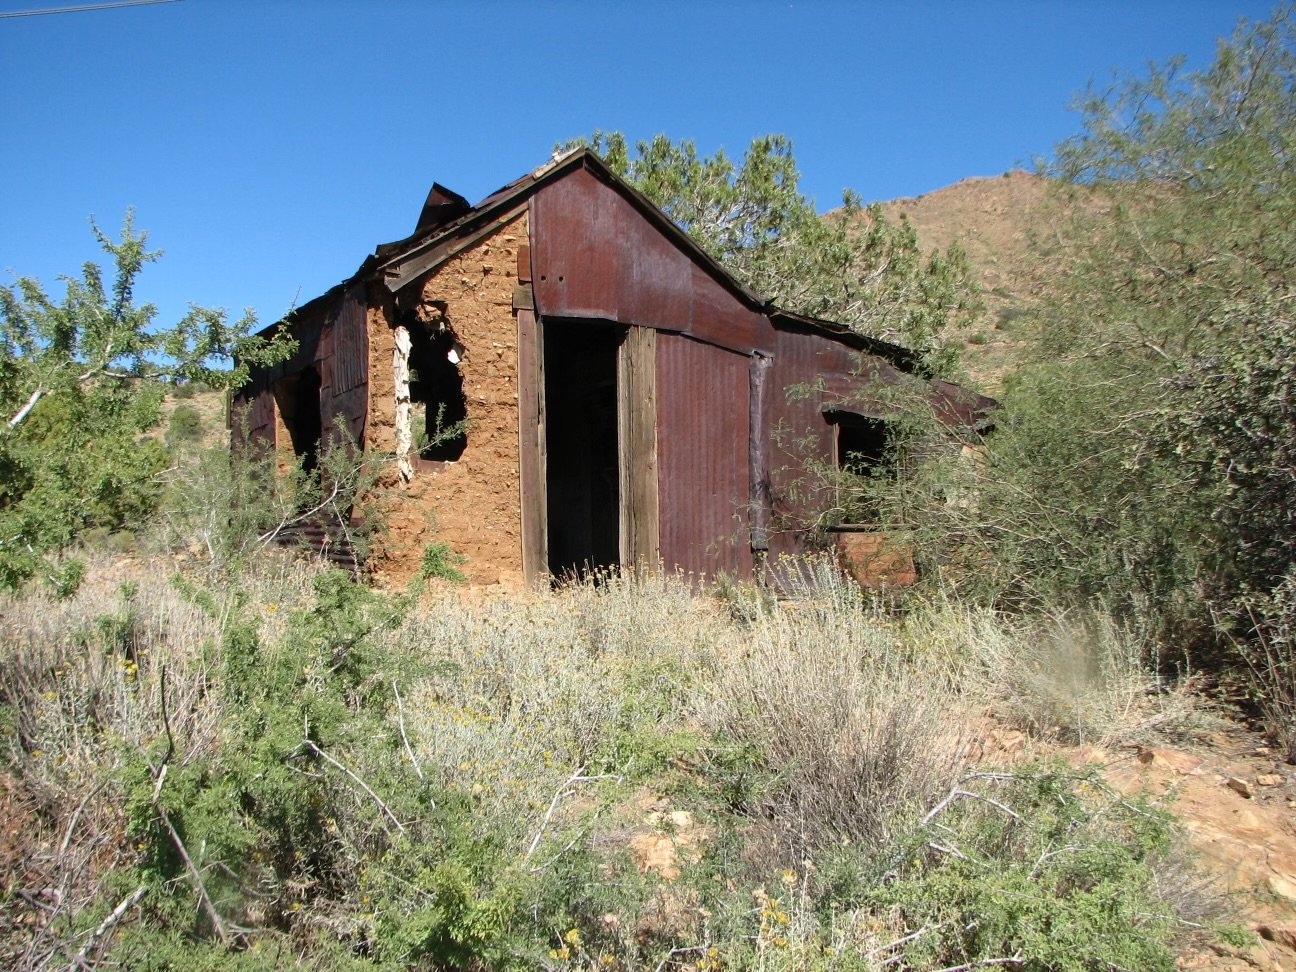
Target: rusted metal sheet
<point>597,256</point>
<point>351,342</point>
<point>351,405</point>
<point>959,406</point>
<point>811,372</point>
<point>260,411</point>
<point>703,468</point>
<point>717,318</point>
<point>332,338</point>
<point>758,435</point>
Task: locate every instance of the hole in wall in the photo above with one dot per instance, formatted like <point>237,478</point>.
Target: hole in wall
<point>439,408</point>
<point>297,397</point>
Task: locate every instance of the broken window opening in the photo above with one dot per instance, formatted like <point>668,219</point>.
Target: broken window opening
<point>864,454</point>
<point>438,408</point>
<point>863,445</point>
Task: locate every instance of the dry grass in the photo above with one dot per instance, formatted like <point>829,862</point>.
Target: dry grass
<point>1075,677</point>
<point>532,689</point>
<point>861,734</point>
<point>544,712</point>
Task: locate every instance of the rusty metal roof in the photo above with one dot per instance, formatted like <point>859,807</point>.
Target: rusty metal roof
<point>445,222</point>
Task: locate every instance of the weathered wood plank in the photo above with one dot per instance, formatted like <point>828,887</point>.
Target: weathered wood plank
<point>531,448</point>
<point>637,444</point>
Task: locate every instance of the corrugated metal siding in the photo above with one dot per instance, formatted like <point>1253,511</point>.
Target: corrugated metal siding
<point>702,415</point>
<point>808,361</point>
<point>260,415</point>
<point>351,342</point>
<point>597,256</point>
<point>332,338</point>
<point>343,363</point>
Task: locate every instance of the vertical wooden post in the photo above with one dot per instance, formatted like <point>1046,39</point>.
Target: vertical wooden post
<point>531,448</point>
<point>637,447</point>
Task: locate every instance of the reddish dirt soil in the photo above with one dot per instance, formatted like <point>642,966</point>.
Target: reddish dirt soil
<point>1237,802</point>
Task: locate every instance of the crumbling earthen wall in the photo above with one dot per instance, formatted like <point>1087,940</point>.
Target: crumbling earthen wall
<point>474,504</point>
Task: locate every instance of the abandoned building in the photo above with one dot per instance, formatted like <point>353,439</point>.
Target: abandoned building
<point>566,380</point>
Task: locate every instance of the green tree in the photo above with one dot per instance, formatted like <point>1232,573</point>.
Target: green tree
<point>1146,454</point>
<point>80,380</point>
<point>851,265</point>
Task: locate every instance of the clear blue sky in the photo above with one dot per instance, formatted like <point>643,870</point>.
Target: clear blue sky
<point>268,145</point>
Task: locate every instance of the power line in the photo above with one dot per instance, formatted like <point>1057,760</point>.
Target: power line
<point>82,8</point>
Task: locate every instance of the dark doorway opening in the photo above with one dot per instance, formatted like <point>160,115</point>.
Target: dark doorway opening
<point>298,398</point>
<point>582,458</point>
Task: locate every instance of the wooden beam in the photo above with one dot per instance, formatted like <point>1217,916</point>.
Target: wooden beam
<point>531,449</point>
<point>637,447</point>
<point>407,268</point>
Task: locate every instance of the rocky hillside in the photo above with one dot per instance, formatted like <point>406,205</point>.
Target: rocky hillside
<point>994,219</point>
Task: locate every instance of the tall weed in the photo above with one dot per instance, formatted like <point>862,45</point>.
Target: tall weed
<point>857,733</point>
<point>1073,676</point>
<point>300,766</point>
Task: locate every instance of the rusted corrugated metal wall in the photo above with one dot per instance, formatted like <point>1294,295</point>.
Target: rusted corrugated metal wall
<point>702,422</point>
<point>596,256</point>
<point>256,400</point>
<point>344,364</point>
<point>332,337</point>
<point>809,371</point>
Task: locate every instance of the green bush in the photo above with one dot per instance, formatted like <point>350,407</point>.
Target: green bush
<point>186,425</point>
<point>441,562</point>
<point>1042,868</point>
<point>473,786</point>
<point>83,379</point>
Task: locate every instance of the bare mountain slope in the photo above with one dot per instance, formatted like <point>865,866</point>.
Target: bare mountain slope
<point>993,219</point>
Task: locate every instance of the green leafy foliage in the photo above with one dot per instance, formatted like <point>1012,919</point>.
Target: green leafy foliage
<point>80,381</point>
<point>849,266</point>
<point>186,425</point>
<point>1144,454</point>
<point>441,562</point>
<point>1045,870</point>
<point>229,504</point>
<point>1175,337</point>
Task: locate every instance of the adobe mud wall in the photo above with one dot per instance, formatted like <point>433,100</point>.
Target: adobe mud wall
<point>474,504</point>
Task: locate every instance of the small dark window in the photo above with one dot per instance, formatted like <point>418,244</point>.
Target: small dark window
<point>861,443</point>
<point>440,410</point>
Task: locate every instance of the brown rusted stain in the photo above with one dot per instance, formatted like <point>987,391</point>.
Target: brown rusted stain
<point>597,256</point>
<point>472,504</point>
